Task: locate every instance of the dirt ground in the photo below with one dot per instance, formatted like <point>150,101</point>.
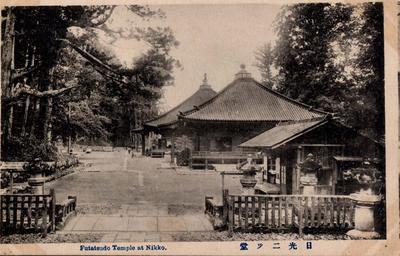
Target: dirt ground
<point>114,178</point>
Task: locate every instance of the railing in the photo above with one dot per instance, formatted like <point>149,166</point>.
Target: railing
<point>209,157</point>
<point>212,207</point>
<point>21,213</point>
<point>224,155</point>
<point>65,211</point>
<point>18,166</point>
<point>258,213</point>
<point>102,148</point>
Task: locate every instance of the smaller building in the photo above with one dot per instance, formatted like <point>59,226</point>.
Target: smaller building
<point>335,146</point>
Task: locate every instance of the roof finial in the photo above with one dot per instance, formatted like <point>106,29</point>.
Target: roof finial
<point>242,73</point>
<point>205,82</point>
<point>205,78</point>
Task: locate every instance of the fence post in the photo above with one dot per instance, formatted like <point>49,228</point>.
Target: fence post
<point>53,209</point>
<point>75,201</point>
<point>301,224</point>
<point>225,193</point>
<point>44,217</point>
<point>230,215</point>
<point>1,214</point>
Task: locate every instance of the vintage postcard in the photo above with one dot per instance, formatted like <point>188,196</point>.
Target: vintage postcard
<point>203,128</point>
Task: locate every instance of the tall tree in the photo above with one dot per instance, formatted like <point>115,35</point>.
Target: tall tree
<point>264,63</point>
<point>330,56</point>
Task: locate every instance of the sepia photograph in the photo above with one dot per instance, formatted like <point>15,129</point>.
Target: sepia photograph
<point>192,123</point>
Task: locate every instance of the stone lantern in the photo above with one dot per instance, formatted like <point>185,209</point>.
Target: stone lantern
<point>248,180</point>
<point>308,174</point>
<point>366,202</point>
<point>36,182</point>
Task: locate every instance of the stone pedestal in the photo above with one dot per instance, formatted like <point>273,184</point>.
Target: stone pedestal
<point>364,217</point>
<point>309,181</point>
<point>37,184</point>
<point>248,184</point>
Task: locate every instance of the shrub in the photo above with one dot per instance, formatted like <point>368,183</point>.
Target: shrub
<point>27,149</point>
<point>183,157</point>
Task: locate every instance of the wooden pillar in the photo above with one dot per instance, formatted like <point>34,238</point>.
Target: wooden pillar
<point>278,167</point>
<point>265,166</point>
<point>283,180</point>
<point>11,181</point>
<point>172,148</point>
<point>53,209</point>
<point>299,151</point>
<point>223,183</point>
<point>225,206</point>
<point>143,144</point>
<point>265,162</point>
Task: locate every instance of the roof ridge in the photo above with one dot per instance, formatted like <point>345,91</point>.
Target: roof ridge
<point>314,119</point>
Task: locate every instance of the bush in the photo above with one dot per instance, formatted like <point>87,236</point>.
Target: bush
<point>27,149</point>
<point>183,157</point>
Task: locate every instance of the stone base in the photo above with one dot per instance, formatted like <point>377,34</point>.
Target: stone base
<point>354,233</point>
<point>248,191</point>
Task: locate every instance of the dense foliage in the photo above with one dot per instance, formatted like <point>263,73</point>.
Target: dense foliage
<point>58,79</point>
<point>330,56</point>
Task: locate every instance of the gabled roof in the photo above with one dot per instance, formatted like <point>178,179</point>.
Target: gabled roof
<point>247,100</point>
<point>282,134</point>
<point>204,93</point>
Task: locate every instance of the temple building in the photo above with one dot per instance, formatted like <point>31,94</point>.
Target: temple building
<point>166,124</point>
<point>242,110</point>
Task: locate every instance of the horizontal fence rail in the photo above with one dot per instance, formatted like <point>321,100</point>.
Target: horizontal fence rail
<point>204,159</point>
<point>259,213</point>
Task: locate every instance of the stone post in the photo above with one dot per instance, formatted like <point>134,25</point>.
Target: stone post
<point>364,216</point>
<point>248,183</point>
<point>37,180</point>
<point>308,172</point>
<point>248,179</point>
<point>143,137</point>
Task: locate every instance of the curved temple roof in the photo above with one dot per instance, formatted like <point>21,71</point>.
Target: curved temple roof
<point>203,94</point>
<point>247,100</point>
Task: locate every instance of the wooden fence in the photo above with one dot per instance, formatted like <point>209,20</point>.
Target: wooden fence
<point>260,213</point>
<point>26,213</point>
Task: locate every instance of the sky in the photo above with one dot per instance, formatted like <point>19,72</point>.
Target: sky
<point>214,39</point>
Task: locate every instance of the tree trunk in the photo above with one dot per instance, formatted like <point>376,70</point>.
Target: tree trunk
<point>7,55</point>
<point>10,122</point>
<point>35,115</point>
<point>7,52</point>
<point>47,120</point>
<point>27,104</point>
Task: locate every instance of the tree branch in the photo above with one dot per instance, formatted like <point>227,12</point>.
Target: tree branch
<point>106,18</point>
<point>17,73</point>
<point>96,62</point>
<point>21,89</point>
